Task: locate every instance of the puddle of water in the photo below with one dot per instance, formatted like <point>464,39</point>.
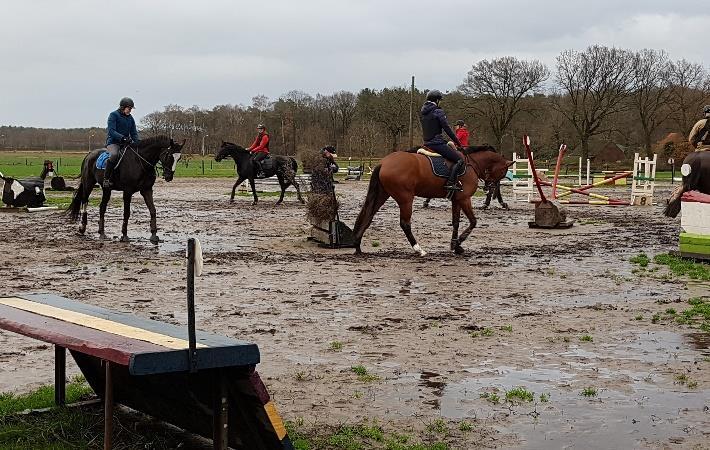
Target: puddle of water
<point>612,420</point>
<point>171,242</point>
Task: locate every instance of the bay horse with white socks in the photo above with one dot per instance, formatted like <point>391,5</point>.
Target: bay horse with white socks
<point>404,175</point>
<point>135,173</point>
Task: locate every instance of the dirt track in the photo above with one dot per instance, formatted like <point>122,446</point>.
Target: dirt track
<point>409,320</point>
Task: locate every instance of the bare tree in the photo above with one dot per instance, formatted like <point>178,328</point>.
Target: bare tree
<point>594,85</point>
<point>389,108</point>
<point>497,87</point>
<point>689,89</point>
<point>651,92</point>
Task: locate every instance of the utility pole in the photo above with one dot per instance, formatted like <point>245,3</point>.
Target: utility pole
<point>411,115</point>
<point>203,143</point>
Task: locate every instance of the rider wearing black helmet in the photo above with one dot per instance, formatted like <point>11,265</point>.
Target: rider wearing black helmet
<point>121,131</point>
<point>699,136</point>
<point>434,121</point>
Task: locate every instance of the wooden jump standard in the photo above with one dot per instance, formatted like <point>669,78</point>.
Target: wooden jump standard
<point>213,391</point>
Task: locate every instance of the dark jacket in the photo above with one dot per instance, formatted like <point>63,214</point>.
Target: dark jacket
<point>433,120</point>
<point>120,126</point>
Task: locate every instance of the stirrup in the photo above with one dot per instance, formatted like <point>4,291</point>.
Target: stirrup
<point>107,184</point>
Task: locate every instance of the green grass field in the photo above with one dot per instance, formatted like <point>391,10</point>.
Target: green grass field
<point>68,165</point>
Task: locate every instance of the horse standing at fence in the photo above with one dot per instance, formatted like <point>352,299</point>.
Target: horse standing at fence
<point>404,175</point>
<point>696,177</point>
<point>284,167</point>
<point>136,173</point>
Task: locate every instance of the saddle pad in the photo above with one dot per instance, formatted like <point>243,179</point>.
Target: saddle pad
<point>101,160</point>
<point>440,169</point>
<point>267,164</point>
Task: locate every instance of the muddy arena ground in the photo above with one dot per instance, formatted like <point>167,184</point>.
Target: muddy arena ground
<point>439,333</point>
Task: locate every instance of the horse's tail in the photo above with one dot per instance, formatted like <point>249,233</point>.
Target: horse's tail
<point>74,208</point>
<point>373,202</point>
<point>674,202</point>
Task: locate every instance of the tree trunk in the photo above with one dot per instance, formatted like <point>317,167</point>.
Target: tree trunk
<point>585,147</point>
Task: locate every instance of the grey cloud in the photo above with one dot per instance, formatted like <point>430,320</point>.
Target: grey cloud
<point>67,63</point>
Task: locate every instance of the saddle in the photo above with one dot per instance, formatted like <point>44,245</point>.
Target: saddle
<point>104,156</point>
<point>440,166</point>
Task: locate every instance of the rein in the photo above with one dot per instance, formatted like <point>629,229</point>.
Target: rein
<point>152,166</point>
<point>473,164</point>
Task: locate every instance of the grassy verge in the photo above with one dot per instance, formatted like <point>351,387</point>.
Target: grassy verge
<point>370,436</point>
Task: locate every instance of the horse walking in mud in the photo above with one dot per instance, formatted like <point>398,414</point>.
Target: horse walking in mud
<point>284,167</point>
<point>696,177</point>
<point>136,172</point>
<point>404,175</point>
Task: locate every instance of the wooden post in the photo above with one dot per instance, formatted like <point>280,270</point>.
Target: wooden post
<point>220,414</point>
<point>192,355</point>
<point>60,375</point>
<point>411,115</point>
<point>108,407</point>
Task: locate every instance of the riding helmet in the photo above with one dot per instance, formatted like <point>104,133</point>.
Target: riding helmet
<point>706,109</point>
<point>434,95</point>
<point>460,123</point>
<point>126,103</point>
<point>261,126</point>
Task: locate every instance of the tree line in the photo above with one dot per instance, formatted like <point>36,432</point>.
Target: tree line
<point>590,97</point>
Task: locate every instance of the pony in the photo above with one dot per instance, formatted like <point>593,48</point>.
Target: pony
<point>136,172</point>
<point>404,175</point>
<point>284,167</point>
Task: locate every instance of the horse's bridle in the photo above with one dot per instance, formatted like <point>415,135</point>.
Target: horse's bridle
<point>150,165</point>
<point>475,166</point>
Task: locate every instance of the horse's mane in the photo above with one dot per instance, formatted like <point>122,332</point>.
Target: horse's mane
<point>234,146</point>
<point>161,140</point>
<point>478,148</point>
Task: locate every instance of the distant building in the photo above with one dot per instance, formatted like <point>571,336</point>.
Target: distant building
<point>608,153</point>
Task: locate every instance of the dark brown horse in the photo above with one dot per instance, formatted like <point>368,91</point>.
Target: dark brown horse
<point>404,175</point>
<point>696,177</point>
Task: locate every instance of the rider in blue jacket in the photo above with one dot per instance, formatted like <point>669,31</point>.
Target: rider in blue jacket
<point>121,131</point>
<point>434,122</point>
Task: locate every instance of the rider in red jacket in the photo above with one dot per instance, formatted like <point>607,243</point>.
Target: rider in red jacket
<point>259,148</point>
<point>461,132</point>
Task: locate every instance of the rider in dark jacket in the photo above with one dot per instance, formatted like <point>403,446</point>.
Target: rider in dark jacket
<point>433,120</point>
<point>121,131</point>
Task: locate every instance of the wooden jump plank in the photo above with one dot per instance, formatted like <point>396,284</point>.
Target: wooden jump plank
<point>96,323</point>
<point>74,337</point>
<point>207,339</point>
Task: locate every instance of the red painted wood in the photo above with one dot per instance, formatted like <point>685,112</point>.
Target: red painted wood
<point>107,346</point>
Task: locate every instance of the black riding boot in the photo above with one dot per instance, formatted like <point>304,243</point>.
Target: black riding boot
<point>108,173</point>
<point>452,184</point>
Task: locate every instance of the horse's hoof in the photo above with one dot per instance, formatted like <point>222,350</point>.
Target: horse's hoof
<point>102,236</point>
<point>154,240</point>
<point>419,250</point>
<point>231,200</point>
<point>81,232</point>
<point>505,206</point>
<point>124,238</point>
<point>459,250</point>
<point>277,203</point>
<point>253,203</point>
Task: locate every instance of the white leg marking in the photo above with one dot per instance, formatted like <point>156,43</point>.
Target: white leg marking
<point>417,248</point>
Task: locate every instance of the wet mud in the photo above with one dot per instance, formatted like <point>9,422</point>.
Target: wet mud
<point>438,332</point>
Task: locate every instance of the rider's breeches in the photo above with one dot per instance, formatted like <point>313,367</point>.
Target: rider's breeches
<point>445,151</point>
<point>112,152</point>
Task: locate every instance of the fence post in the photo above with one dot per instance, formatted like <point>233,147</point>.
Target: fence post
<point>203,167</point>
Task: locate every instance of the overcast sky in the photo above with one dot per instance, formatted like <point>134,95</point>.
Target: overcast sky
<point>67,63</point>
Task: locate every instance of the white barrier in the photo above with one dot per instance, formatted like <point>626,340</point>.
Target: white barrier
<point>644,180</point>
